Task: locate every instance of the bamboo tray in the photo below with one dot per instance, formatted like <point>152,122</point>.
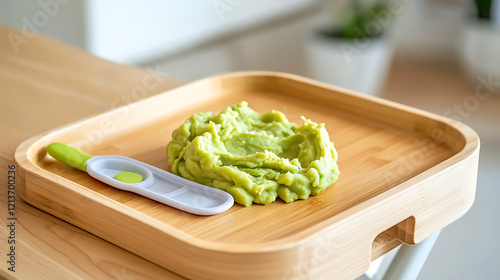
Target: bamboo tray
<point>405,174</point>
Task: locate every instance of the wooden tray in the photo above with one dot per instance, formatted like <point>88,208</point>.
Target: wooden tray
<point>405,174</point>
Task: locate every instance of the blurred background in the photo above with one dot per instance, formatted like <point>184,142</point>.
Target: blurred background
<point>442,56</point>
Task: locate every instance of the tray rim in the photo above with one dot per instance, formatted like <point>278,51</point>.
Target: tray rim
<point>24,153</point>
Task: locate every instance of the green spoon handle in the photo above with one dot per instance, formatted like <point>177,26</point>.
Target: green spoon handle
<point>68,155</point>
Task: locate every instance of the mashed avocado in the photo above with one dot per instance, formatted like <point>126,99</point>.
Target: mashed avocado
<point>254,157</point>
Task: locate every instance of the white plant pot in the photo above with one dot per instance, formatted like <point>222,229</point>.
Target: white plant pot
<point>480,50</point>
<point>356,64</point>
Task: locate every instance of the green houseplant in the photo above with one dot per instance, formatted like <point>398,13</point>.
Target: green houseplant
<point>351,50</point>
<point>359,20</point>
<point>480,49</point>
<point>483,8</point>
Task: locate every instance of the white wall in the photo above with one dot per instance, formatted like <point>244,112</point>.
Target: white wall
<point>424,29</point>
<point>60,19</point>
<point>274,48</point>
<point>420,29</point>
<point>133,31</point>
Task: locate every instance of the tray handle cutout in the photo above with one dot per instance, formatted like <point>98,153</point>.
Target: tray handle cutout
<point>401,233</point>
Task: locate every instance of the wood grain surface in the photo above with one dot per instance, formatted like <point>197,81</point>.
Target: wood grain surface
<point>405,174</point>
<point>44,85</point>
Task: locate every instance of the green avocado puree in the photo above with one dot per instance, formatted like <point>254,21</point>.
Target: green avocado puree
<point>254,157</point>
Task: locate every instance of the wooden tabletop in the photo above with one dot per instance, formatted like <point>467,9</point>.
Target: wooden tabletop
<point>45,84</point>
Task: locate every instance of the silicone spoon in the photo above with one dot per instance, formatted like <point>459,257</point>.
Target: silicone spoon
<point>149,181</point>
